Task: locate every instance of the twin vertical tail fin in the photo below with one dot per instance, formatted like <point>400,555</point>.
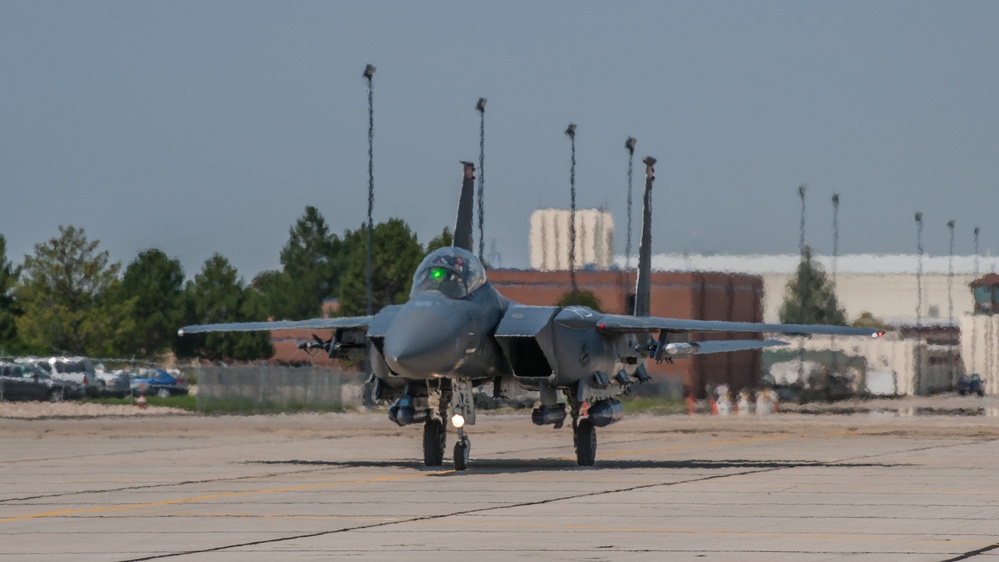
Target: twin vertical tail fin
<point>463,225</point>
<point>643,285</point>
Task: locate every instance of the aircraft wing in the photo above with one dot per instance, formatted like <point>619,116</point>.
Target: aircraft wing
<point>618,324</point>
<point>311,324</point>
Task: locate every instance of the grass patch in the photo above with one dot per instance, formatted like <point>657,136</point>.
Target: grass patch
<point>652,405</point>
<point>232,406</point>
<point>183,402</point>
<point>235,406</point>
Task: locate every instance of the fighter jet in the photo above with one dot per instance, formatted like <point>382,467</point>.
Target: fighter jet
<point>457,332</point>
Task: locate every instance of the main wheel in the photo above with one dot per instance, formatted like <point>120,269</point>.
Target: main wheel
<point>586,443</point>
<point>461,450</point>
<point>434,437</point>
<point>57,394</point>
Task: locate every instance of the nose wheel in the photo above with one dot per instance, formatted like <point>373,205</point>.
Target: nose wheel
<point>461,451</point>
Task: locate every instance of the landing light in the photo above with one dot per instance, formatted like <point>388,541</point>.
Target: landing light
<point>458,420</point>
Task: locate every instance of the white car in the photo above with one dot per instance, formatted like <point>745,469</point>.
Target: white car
<point>75,369</point>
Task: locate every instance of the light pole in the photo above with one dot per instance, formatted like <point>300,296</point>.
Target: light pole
<point>950,301</point>
<point>974,317</point>
<point>835,202</point>
<point>804,293</point>
<point>481,108</point>
<point>835,253</point>
<point>571,132</point>
<point>801,239</point>
<point>630,146</point>
<point>369,72</point>
<point>919,302</point>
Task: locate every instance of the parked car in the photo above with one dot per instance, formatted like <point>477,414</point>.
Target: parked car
<point>970,384</point>
<point>76,369</point>
<point>112,384</point>
<point>71,388</point>
<point>158,382</point>
<point>22,381</point>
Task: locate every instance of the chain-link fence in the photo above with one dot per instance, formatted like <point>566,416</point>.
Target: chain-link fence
<point>254,389</point>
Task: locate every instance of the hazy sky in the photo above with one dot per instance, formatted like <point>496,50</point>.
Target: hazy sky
<point>203,127</point>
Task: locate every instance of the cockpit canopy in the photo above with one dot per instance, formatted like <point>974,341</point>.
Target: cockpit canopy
<point>451,271</point>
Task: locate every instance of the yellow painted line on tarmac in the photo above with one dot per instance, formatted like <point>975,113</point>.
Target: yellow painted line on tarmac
<point>126,507</point>
<point>605,454</point>
<point>214,515</point>
<point>757,534</point>
<point>600,528</point>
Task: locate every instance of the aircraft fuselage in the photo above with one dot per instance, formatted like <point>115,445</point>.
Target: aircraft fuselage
<point>433,336</point>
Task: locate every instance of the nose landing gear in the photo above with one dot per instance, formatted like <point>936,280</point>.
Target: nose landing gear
<point>435,428</point>
<point>462,449</point>
<point>464,412</point>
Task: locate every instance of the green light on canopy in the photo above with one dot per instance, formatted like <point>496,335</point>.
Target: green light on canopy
<point>437,273</point>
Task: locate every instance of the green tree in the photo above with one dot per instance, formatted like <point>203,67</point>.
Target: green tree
<point>583,298</point>
<point>809,297</point>
<point>868,320</point>
<point>272,286</point>
<point>442,240</point>
<point>217,294</point>
<point>64,292</point>
<point>9,311</point>
<point>312,263</point>
<point>395,255</point>
<point>154,283</point>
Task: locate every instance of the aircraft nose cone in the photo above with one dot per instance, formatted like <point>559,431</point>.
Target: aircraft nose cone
<point>419,343</point>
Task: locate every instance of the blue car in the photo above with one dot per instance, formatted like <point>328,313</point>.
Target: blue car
<point>970,384</point>
<point>158,382</point>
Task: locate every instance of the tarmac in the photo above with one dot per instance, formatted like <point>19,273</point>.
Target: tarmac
<point>887,484</point>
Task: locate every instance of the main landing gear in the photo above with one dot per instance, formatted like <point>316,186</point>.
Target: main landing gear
<point>584,433</point>
<point>584,437</point>
<point>434,442</point>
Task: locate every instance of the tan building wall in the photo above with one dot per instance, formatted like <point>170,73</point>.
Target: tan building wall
<point>891,297</point>
<point>899,356</point>
<point>980,349</point>
<point>549,239</point>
